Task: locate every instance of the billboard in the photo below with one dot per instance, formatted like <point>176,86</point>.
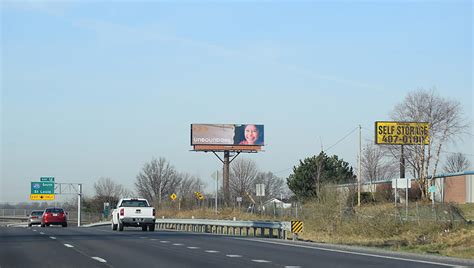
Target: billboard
<point>227,134</point>
<point>402,133</point>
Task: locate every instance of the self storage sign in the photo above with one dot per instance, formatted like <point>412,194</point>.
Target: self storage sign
<point>402,133</point>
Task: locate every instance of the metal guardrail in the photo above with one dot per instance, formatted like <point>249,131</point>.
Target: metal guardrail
<point>230,227</point>
<point>15,218</point>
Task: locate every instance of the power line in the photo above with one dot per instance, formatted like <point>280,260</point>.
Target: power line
<point>343,138</point>
<point>340,140</point>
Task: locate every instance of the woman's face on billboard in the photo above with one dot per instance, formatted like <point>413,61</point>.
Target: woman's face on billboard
<point>251,134</point>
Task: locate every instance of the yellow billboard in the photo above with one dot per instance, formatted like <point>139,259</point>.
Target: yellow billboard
<point>41,197</point>
<point>402,133</point>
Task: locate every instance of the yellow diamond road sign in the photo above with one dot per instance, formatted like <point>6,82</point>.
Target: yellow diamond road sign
<point>173,196</point>
<point>41,196</point>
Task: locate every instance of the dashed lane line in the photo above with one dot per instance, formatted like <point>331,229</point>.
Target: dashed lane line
<point>234,256</point>
<point>164,242</point>
<point>211,251</point>
<point>193,247</point>
<point>52,237</point>
<point>99,259</point>
<point>261,261</point>
<point>68,246</point>
<point>177,244</point>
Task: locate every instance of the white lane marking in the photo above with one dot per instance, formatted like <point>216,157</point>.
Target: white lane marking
<point>291,266</point>
<point>177,244</point>
<point>52,237</point>
<point>41,233</point>
<point>164,241</point>
<point>153,239</point>
<point>99,259</point>
<point>69,246</point>
<point>34,231</point>
<point>212,251</point>
<point>234,256</point>
<point>261,261</point>
<point>193,247</point>
<point>349,252</point>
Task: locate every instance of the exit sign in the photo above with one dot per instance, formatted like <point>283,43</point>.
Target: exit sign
<point>47,179</point>
<point>42,187</point>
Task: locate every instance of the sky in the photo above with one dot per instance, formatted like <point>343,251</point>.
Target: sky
<point>94,89</point>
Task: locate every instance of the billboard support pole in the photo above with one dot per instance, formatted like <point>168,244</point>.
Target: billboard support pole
<point>226,178</point>
<point>226,174</point>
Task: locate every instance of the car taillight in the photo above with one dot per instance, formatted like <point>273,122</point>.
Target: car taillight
<point>153,212</point>
<point>122,212</point>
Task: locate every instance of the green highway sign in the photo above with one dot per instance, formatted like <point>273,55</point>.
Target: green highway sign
<point>47,179</point>
<point>42,187</point>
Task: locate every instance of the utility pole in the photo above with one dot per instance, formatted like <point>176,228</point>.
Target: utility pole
<point>217,186</point>
<point>79,195</point>
<point>359,176</point>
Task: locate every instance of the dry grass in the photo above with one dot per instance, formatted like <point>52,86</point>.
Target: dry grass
<point>468,211</point>
<point>370,225</point>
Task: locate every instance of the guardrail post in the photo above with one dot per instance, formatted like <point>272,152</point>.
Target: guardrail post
<point>240,231</point>
<point>270,232</point>
<point>262,232</point>
<point>254,231</point>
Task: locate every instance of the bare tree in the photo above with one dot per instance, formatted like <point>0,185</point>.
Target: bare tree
<point>189,184</point>
<point>376,165</point>
<point>157,178</point>
<point>274,186</point>
<point>106,187</point>
<point>242,177</point>
<point>456,163</point>
<point>446,122</point>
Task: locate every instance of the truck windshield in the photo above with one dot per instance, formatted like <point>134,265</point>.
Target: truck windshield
<point>134,203</point>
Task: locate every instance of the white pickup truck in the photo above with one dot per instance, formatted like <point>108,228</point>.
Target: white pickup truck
<point>135,212</point>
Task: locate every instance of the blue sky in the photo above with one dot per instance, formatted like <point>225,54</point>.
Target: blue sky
<point>96,89</point>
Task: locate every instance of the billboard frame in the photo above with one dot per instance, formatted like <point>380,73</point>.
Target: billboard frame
<point>426,140</point>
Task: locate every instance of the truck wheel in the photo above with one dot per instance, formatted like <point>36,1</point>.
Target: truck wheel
<point>114,226</point>
<point>151,228</point>
<point>144,228</point>
<point>120,226</point>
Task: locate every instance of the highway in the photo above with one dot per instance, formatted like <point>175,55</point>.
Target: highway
<point>102,247</point>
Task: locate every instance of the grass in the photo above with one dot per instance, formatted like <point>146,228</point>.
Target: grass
<point>370,225</point>
<point>468,211</point>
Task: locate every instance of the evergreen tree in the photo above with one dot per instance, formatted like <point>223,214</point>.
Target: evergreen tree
<point>312,172</point>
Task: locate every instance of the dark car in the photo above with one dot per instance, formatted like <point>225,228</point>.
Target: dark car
<point>35,217</point>
<point>54,216</point>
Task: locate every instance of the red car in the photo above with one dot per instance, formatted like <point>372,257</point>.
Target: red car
<point>54,216</point>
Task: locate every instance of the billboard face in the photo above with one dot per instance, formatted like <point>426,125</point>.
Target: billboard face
<point>402,133</point>
<point>227,134</point>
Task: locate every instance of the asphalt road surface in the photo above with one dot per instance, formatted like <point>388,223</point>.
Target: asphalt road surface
<point>102,247</point>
